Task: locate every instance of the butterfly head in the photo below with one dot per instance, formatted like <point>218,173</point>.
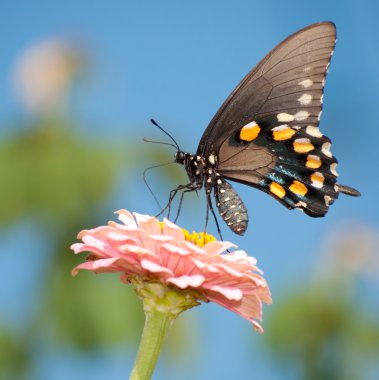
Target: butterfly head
<point>180,157</point>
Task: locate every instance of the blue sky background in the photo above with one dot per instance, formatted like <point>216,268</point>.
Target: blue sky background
<point>177,62</point>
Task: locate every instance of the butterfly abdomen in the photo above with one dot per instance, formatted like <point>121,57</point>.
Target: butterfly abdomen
<point>231,208</point>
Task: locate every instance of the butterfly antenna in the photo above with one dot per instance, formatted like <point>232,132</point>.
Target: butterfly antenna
<point>159,142</point>
<point>157,125</point>
<point>147,184</point>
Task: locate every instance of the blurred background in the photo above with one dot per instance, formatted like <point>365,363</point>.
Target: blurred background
<point>79,82</point>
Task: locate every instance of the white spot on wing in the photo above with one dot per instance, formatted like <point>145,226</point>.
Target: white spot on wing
<point>305,99</point>
<point>280,127</point>
<point>319,116</point>
<point>333,169</point>
<point>306,83</point>
<point>211,159</point>
<point>285,117</point>
<point>326,149</point>
<point>250,125</point>
<point>313,131</point>
<point>303,141</point>
<point>327,200</point>
<point>301,115</point>
<point>322,99</point>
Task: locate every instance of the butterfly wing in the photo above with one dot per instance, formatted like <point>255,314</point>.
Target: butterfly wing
<point>266,133</point>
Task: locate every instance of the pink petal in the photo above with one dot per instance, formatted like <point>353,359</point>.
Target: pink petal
<point>128,248</point>
<point>154,267</point>
<point>257,326</point>
<point>228,269</point>
<point>171,229</point>
<point>77,247</point>
<point>98,266</point>
<point>242,258</point>
<point>229,293</point>
<point>193,248</point>
<point>127,218</point>
<point>172,248</point>
<point>100,245</point>
<point>148,224</point>
<point>217,247</point>
<point>183,282</point>
<point>155,241</point>
<point>203,265</point>
<point>80,247</point>
<point>249,308</point>
<point>99,231</point>
<point>116,236</point>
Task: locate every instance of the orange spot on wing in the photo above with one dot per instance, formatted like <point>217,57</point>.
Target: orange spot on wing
<point>277,190</point>
<point>302,146</point>
<point>317,179</point>
<point>313,162</point>
<point>298,188</point>
<point>281,134</point>
<point>250,131</point>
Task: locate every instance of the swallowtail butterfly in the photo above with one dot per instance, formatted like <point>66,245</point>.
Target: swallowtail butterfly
<point>266,134</point>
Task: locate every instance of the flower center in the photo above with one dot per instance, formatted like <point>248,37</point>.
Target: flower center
<point>198,238</point>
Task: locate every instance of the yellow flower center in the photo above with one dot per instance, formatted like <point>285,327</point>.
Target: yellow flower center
<point>198,238</point>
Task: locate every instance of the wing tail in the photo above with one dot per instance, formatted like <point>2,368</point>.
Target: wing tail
<point>348,190</point>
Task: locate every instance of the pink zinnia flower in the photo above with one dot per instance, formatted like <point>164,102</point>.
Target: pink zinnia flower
<point>144,249</point>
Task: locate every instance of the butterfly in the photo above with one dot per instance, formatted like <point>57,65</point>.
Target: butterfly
<point>266,134</point>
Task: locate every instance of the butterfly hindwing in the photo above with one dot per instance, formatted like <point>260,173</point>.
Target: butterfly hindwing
<point>266,133</point>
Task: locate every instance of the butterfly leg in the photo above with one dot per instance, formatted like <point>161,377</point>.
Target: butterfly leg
<point>181,201</point>
<point>210,207</point>
<point>184,189</point>
<point>170,199</point>
<point>173,193</point>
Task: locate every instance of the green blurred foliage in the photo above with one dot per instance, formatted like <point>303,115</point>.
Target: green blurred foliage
<point>14,358</point>
<point>50,172</point>
<point>325,326</point>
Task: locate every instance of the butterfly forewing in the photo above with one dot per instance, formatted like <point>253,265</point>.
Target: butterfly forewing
<point>266,133</point>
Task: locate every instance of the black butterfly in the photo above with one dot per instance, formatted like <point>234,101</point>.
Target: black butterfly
<point>266,134</point>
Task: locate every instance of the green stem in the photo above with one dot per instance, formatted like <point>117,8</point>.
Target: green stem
<point>154,332</point>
